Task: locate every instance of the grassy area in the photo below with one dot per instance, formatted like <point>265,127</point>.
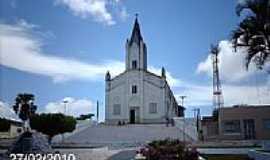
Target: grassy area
<point>225,157</point>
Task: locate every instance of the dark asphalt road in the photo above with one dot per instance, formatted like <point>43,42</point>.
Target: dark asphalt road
<point>123,155</point>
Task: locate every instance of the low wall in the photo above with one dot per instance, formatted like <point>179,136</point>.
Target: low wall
<point>188,126</point>
<point>258,155</point>
<point>81,125</point>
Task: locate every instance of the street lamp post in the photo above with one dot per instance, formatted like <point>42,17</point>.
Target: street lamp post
<point>65,106</point>
<point>182,100</point>
<point>197,117</point>
<point>65,113</point>
<point>97,111</point>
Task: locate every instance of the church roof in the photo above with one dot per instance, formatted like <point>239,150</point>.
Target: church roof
<point>136,33</point>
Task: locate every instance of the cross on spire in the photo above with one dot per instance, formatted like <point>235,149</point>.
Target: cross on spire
<point>136,33</point>
<point>136,15</point>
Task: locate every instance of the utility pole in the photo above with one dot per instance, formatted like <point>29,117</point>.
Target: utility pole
<point>65,106</point>
<point>65,112</point>
<point>197,117</point>
<point>97,111</point>
<point>182,100</point>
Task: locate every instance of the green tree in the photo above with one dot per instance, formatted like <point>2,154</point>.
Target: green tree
<point>24,106</point>
<point>52,124</point>
<point>4,125</point>
<point>253,32</point>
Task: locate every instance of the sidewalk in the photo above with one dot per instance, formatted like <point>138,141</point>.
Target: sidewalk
<point>100,153</point>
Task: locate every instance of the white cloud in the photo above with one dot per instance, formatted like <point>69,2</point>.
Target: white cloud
<point>196,95</point>
<point>98,9</point>
<point>202,95</point>
<point>231,64</point>
<point>233,73</point>
<point>24,24</point>
<point>123,13</point>
<point>7,112</point>
<point>74,107</point>
<point>22,51</point>
<point>205,66</point>
<point>246,94</point>
<point>173,82</point>
<point>17,41</point>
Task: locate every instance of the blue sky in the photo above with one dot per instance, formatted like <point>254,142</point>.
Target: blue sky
<point>61,49</point>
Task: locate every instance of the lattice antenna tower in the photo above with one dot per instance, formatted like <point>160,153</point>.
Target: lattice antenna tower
<point>218,101</point>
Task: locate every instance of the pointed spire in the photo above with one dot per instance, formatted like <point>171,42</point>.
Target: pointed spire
<point>163,72</point>
<point>108,76</point>
<point>136,33</point>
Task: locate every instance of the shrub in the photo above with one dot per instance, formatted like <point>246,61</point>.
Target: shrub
<point>52,124</point>
<point>4,125</point>
<point>168,149</point>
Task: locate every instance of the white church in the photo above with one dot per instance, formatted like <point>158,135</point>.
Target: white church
<point>137,95</point>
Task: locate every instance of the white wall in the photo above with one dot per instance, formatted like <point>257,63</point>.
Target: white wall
<point>150,89</point>
<point>154,93</point>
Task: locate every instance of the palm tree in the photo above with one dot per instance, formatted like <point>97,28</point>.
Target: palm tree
<point>24,106</point>
<point>253,32</point>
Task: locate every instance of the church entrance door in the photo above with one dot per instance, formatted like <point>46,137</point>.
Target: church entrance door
<point>132,116</point>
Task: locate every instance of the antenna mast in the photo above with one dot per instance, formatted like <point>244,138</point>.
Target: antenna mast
<point>217,92</point>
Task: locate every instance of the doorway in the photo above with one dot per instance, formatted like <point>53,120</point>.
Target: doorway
<point>132,116</point>
<point>249,129</point>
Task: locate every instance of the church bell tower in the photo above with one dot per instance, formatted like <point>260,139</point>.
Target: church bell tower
<point>136,52</point>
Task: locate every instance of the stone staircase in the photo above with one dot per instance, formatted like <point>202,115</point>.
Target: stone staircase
<point>124,136</point>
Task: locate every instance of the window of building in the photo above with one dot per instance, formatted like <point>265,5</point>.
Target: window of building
<point>134,64</point>
<point>152,108</point>
<point>116,109</point>
<point>231,126</point>
<point>134,89</point>
<point>266,124</point>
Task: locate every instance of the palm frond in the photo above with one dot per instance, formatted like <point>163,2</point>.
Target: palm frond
<point>253,32</point>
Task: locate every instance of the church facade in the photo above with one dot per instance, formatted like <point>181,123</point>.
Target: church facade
<point>137,95</point>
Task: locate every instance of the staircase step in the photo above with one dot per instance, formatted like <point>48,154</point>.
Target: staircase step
<point>128,135</point>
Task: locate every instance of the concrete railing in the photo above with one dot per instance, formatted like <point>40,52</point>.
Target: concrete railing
<point>188,126</point>
<point>258,155</point>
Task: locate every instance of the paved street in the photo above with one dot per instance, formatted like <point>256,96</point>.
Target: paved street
<point>221,151</point>
<point>90,154</point>
<point>123,155</point>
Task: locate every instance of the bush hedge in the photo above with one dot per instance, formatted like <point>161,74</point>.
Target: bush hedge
<point>168,149</point>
